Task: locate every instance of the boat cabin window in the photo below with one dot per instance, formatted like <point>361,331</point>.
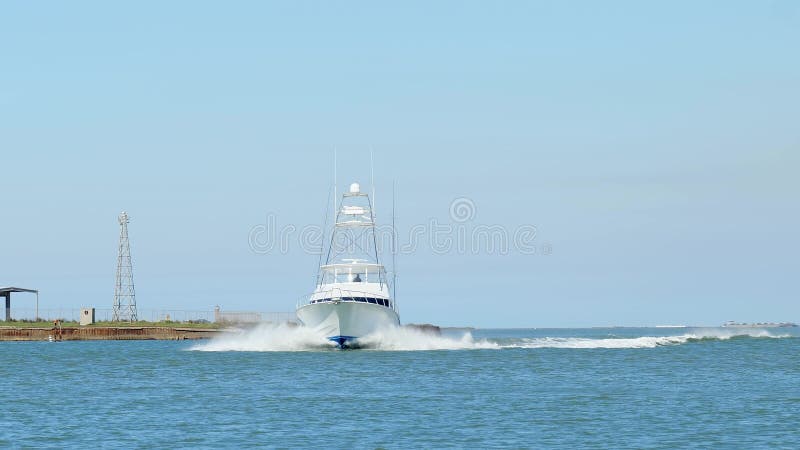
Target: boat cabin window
<point>360,274</point>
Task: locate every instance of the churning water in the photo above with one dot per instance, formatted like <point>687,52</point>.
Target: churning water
<point>271,338</point>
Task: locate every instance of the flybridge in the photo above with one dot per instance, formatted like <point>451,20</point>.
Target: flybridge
<point>352,272</point>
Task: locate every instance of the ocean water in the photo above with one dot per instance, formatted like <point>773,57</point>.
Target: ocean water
<point>281,387</point>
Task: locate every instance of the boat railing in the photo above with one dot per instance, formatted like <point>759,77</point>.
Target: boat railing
<point>343,295</point>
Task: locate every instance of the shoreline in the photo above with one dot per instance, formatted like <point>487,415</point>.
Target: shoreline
<point>106,333</point>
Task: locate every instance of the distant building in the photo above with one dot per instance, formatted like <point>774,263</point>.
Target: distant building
<point>245,317</point>
<point>6,293</point>
<point>236,316</point>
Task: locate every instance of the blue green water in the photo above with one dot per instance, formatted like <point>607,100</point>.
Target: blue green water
<point>580,388</point>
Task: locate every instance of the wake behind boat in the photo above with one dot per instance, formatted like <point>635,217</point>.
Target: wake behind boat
<point>352,298</point>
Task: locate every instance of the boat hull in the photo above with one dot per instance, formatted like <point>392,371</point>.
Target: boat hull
<point>343,322</point>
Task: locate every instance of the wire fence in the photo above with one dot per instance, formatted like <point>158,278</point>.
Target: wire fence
<point>154,315</point>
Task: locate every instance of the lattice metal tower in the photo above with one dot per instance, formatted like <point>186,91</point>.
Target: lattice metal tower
<point>124,294</point>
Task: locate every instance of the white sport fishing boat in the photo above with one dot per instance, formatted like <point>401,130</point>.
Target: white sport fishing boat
<point>352,298</point>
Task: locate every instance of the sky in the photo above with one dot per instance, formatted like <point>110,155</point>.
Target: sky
<point>649,151</point>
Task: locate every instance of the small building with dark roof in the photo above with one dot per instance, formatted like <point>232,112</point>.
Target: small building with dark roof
<point>6,292</point>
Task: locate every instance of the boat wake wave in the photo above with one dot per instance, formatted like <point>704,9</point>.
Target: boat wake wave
<point>639,342</point>
<point>283,338</point>
<point>408,339</point>
<point>268,338</point>
<point>271,338</point>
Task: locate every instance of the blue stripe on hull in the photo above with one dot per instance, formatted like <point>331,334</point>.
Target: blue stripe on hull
<point>341,341</point>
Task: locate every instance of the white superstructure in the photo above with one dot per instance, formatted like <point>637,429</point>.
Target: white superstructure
<point>352,297</point>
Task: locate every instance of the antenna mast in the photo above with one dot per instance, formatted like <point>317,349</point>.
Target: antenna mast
<point>394,252</point>
<point>334,181</point>
<point>124,293</point>
<point>324,227</point>
<point>372,178</point>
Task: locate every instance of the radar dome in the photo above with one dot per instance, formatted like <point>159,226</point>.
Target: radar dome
<point>355,188</point>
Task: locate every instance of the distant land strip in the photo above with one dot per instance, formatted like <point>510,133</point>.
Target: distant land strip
<point>104,333</point>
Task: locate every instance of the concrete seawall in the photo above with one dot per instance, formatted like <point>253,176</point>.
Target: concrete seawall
<point>105,333</point>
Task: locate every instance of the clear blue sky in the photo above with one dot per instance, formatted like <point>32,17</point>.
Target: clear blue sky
<point>654,145</point>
